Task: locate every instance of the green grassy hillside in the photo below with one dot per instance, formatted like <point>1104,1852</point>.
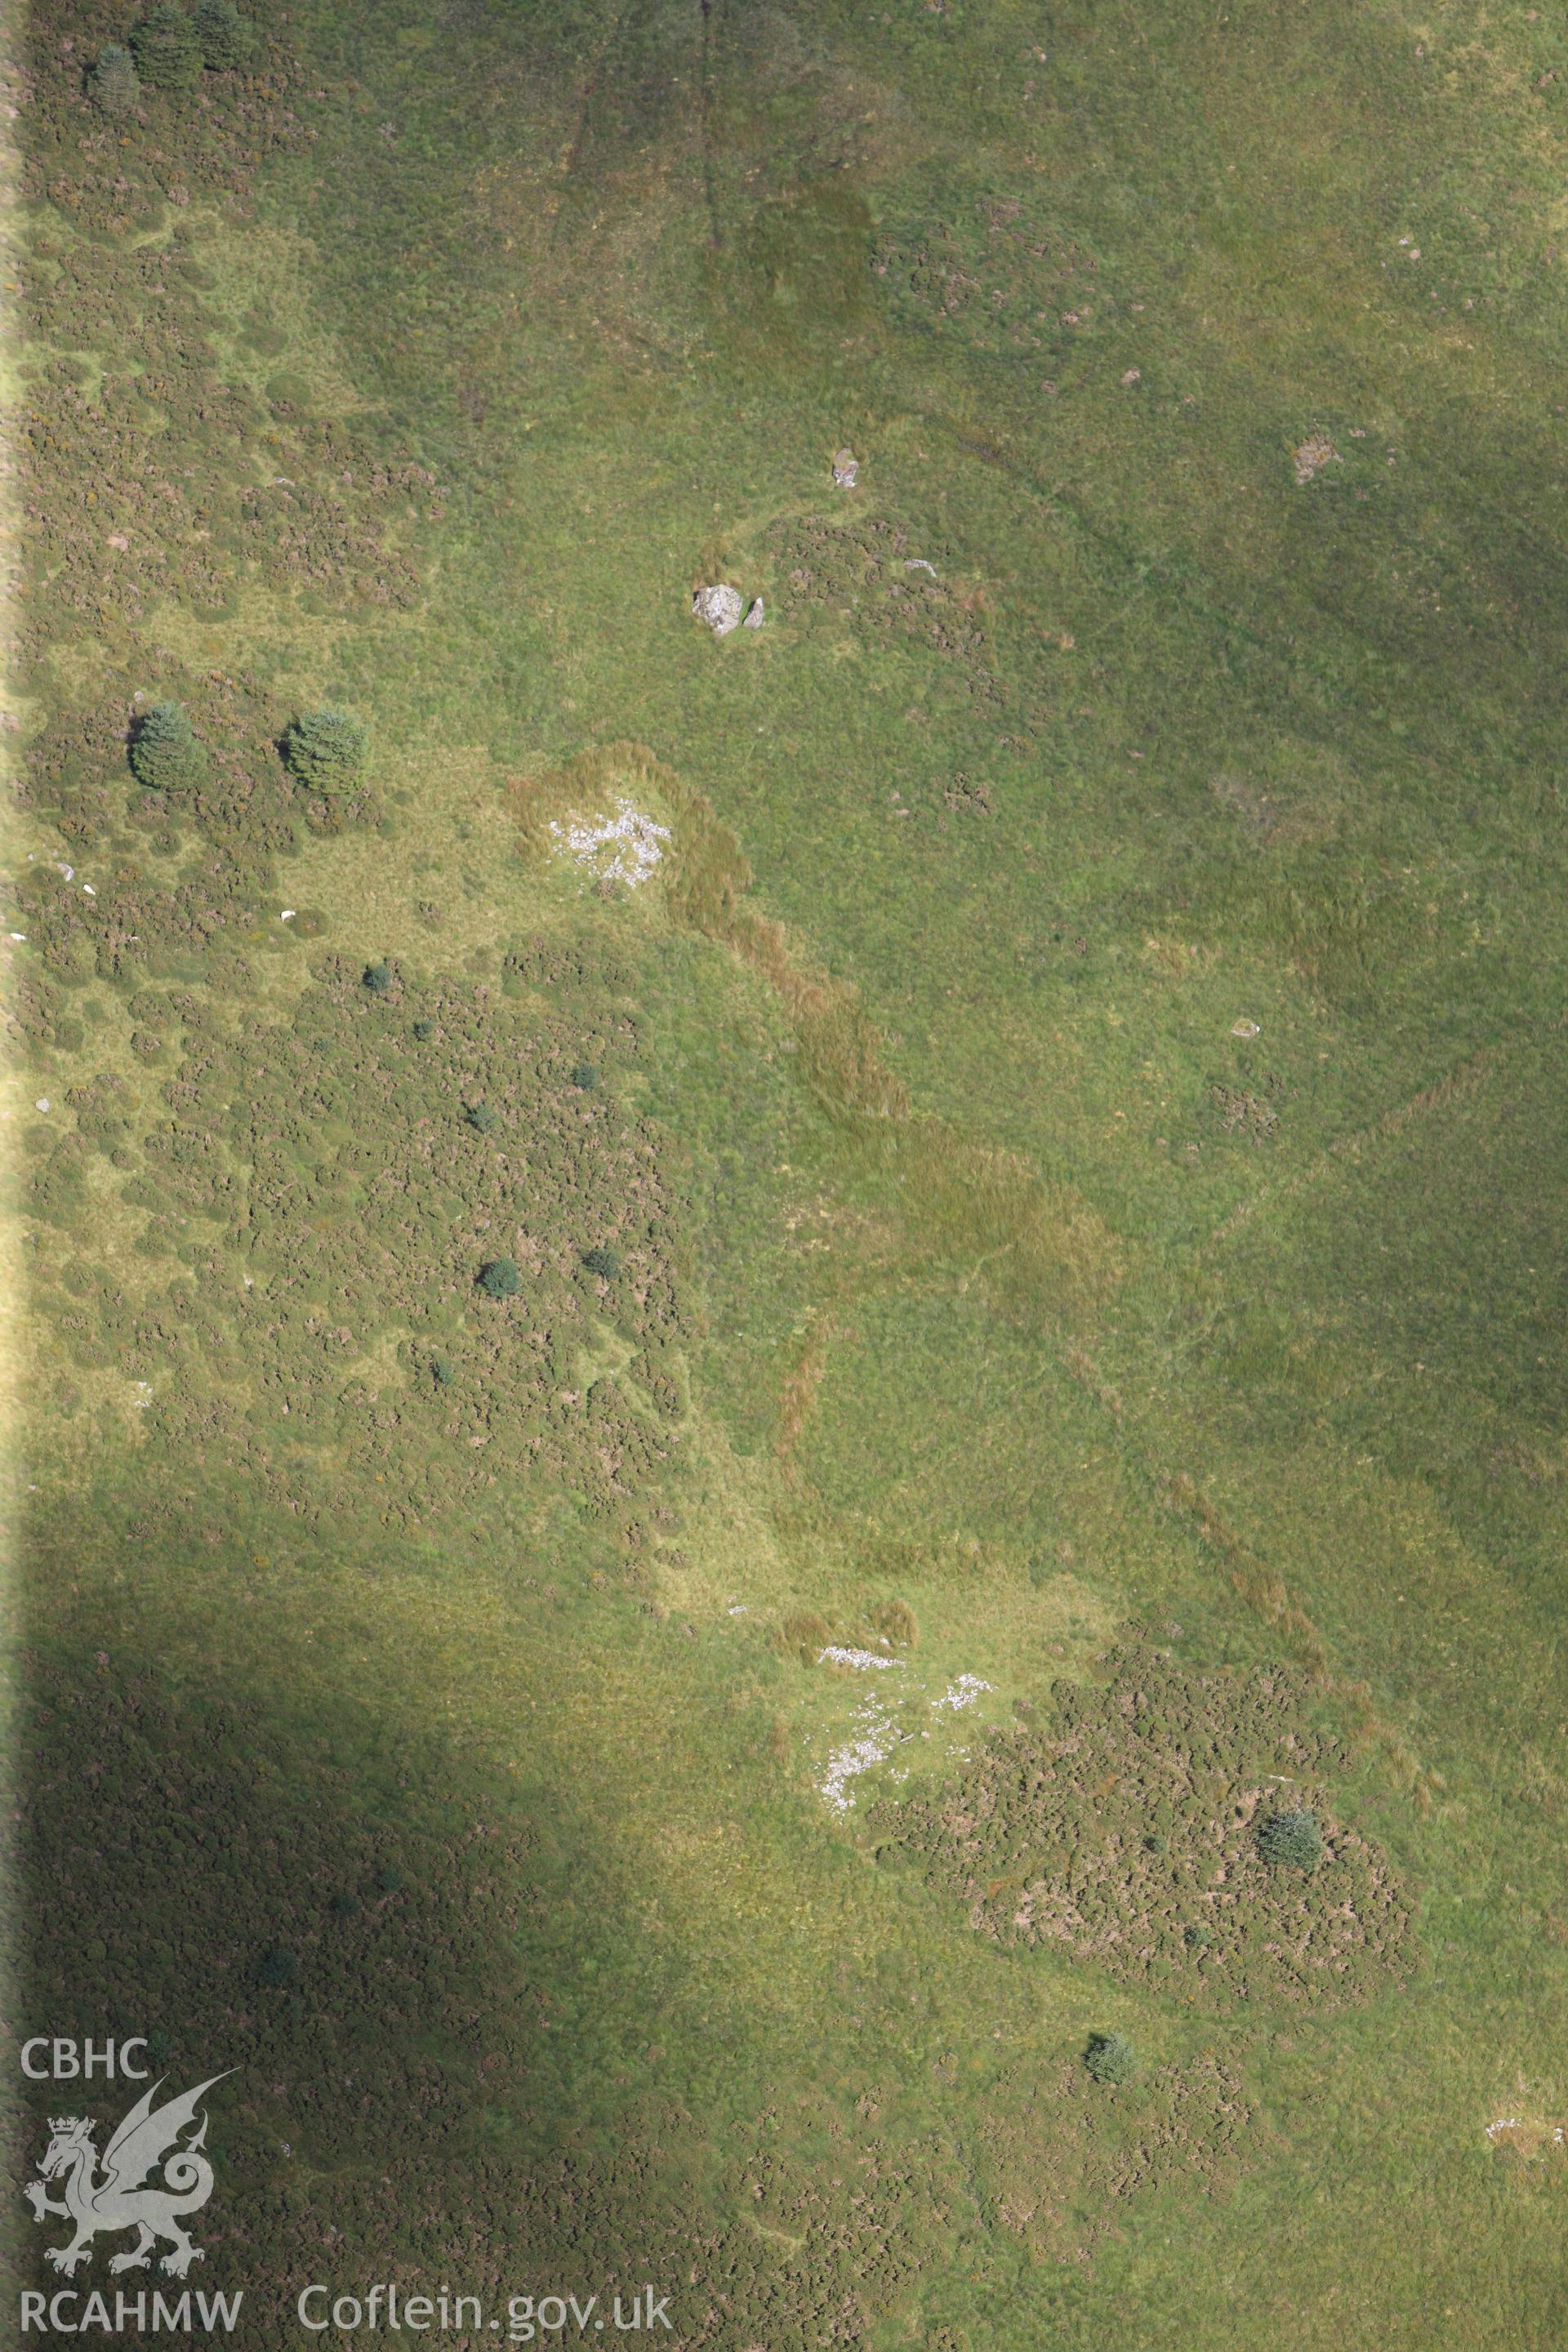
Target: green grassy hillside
<point>734,1362</point>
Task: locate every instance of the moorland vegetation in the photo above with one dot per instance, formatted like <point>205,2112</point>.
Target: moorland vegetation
<point>794,1401</point>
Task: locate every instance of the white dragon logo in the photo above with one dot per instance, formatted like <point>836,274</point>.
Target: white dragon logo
<point>144,2142</point>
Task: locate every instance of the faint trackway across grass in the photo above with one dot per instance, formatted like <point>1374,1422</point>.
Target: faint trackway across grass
<point>965,1205</point>
<point>960,1201</point>
<point>1259,1585</point>
<point>572,159</point>
<point>989,1197</point>
<point>1461,1081</point>
<point>1294,673</point>
<point>705,123</point>
<point>592,86</point>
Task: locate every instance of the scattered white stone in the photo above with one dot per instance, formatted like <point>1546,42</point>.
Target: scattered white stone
<point>753,619</point>
<point>625,847</point>
<point>89,889</point>
<point>875,1741</point>
<point>20,938</point>
<point>286,916</point>
<point>68,871</point>
<point>720,606</point>
<point>736,1609</point>
<point>881,1721</point>
<point>42,1103</point>
<point>919,563</point>
<point>959,1694</point>
<point>1133,375</point>
<point>1245,1029</point>
<point>845,469</point>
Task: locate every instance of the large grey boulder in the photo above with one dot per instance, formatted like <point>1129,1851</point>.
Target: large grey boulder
<point>720,606</point>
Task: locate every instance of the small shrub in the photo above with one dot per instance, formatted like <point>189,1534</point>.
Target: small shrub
<point>602,1262</point>
<point>388,1879</point>
<point>584,1076</point>
<point>279,1967</point>
<point>1197,1940</point>
<point>1291,1840</point>
<point>344,1906</point>
<point>164,753</point>
<point>441,1372</point>
<point>225,37</point>
<point>112,84</point>
<point>500,1277</point>
<point>481,1119</point>
<point>166,50</point>
<point>326,750</point>
<point>1111,2058</point>
<point>425,1031</point>
<point>379,977</point>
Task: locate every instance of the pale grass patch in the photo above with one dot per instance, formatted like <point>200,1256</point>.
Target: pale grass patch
<point>1175,959</point>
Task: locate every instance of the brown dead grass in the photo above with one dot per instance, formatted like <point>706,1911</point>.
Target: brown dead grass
<point>800,1389</point>
<point>708,878</point>
<point>984,1212</point>
<point>1262,1588</point>
<point>1530,2136</point>
<point>1265,1591</point>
